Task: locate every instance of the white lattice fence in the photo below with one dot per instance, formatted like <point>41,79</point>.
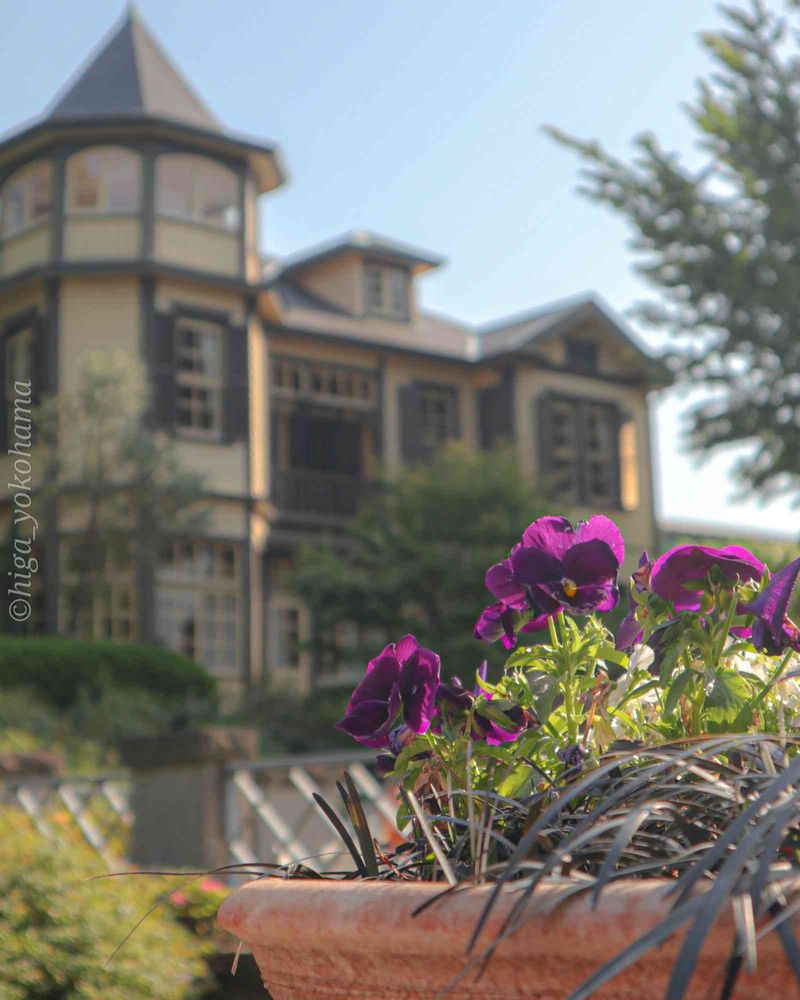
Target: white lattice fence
<point>271,815</point>
<point>94,810</point>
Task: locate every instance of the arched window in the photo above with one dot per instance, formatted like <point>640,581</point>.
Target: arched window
<point>26,197</point>
<point>197,189</point>
<point>104,179</point>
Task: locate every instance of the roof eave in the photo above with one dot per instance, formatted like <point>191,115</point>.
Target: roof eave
<point>265,159</point>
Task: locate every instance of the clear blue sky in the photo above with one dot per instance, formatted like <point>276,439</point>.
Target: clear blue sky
<point>423,121</point>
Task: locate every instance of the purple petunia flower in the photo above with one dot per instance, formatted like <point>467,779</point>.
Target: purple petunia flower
<point>556,566</point>
<point>498,621</point>
<point>400,683</point>
<point>679,575</point>
<point>773,630</point>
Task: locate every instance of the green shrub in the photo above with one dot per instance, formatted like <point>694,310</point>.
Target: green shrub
<point>58,930</point>
<point>64,671</point>
<point>85,735</point>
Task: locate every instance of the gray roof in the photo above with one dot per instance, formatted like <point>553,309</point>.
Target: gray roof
<point>363,241</point>
<point>516,332</point>
<point>130,74</point>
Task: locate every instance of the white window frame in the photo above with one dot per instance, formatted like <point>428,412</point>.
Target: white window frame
<point>25,178</point>
<point>102,206</point>
<point>199,192</point>
<point>198,381</point>
<point>113,615</point>
<point>385,280</point>
<point>205,575</point>
<point>278,606</point>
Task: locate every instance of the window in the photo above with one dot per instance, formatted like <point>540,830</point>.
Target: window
<point>110,613</point>
<point>199,603</point>
<point>198,378</point>
<point>27,198</point>
<point>438,415</point>
<point>287,624</point>
<point>323,382</point>
<point>197,189</point>
<point>580,449</point>
<point>581,353</point>
<point>19,367</point>
<point>104,179</point>
<point>386,291</point>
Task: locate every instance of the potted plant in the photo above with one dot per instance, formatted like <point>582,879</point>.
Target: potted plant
<point>614,815</point>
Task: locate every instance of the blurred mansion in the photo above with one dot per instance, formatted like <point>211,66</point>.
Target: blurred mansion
<point>129,222</point>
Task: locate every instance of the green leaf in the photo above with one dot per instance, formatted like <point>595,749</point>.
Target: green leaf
<point>544,688</point>
<point>676,689</point>
<point>518,782</point>
<point>607,652</point>
<point>728,693</point>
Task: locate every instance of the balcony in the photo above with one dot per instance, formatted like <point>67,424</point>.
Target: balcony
<point>299,493</point>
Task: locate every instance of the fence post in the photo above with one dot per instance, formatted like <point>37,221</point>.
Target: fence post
<point>178,795</point>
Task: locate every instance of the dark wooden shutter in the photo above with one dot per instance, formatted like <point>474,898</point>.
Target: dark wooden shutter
<point>543,418</point>
<point>164,371</point>
<point>455,404</point>
<point>410,443</point>
<point>236,408</point>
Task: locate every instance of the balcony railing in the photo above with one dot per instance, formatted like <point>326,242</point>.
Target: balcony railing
<point>327,494</point>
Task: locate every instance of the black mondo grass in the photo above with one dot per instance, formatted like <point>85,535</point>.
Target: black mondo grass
<point>717,816</point>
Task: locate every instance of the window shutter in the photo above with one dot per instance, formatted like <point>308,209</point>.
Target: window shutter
<point>236,409</point>
<point>543,418</point>
<point>164,372</point>
<point>410,443</point>
<point>456,407</point>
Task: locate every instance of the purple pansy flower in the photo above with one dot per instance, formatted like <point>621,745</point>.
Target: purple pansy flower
<point>456,696</point>
<point>556,566</point>
<point>399,684</point>
<point>773,630</point>
<point>498,621</point>
<point>678,576</point>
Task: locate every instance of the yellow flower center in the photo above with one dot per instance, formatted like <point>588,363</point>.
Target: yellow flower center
<point>569,587</point>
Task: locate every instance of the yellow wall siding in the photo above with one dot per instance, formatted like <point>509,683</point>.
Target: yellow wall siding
<point>195,246</point>
<point>170,293</point>
<point>26,249</point>
<point>338,280</point>
<point>300,347</point>
<point>97,314</point>
<point>101,238</point>
<point>223,466</point>
<point>638,526</point>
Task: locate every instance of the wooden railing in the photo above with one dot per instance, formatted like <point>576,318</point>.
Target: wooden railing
<point>306,491</point>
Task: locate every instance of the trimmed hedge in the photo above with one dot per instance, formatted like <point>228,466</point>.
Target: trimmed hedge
<point>64,671</point>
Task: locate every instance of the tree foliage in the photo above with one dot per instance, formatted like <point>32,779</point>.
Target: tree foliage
<point>721,242</point>
<point>112,476</point>
<point>415,557</point>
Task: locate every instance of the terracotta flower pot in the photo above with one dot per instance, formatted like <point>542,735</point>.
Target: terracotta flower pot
<point>358,941</point>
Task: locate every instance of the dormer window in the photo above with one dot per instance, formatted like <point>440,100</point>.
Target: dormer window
<point>386,291</point>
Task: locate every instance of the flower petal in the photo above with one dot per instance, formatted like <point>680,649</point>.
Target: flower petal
<point>535,566</point>
<point>419,681</point>
<point>495,622</point>
<point>502,583</point>
<point>676,573</point>
<point>604,529</point>
<point>553,535</point>
<point>629,632</point>
<point>407,646</point>
<point>591,562</point>
<point>772,604</point>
